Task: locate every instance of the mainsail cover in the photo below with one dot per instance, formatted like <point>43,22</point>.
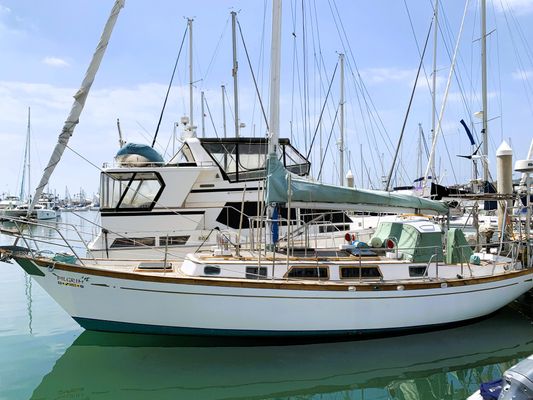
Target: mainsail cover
<point>79,103</point>
<point>317,195</point>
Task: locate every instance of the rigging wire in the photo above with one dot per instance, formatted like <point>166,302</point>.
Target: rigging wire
<point>228,104</point>
<point>322,111</point>
<point>500,97</point>
<point>522,72</point>
<point>327,144</point>
<point>253,75</point>
<point>217,49</point>
<point>169,87</point>
<point>260,66</point>
<point>370,106</point>
<point>294,55</point>
<point>211,117</point>
<point>305,78</point>
<point>387,186</point>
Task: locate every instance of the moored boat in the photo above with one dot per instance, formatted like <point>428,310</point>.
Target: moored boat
<point>404,279</point>
<point>344,292</point>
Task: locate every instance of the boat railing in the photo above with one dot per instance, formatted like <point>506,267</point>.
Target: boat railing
<point>318,229</point>
<point>25,229</point>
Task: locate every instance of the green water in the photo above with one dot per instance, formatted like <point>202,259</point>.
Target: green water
<point>46,355</point>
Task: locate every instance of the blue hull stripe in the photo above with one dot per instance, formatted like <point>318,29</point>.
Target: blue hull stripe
<point>126,327</point>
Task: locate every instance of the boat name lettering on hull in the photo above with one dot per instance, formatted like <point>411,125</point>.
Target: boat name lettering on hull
<point>72,282</point>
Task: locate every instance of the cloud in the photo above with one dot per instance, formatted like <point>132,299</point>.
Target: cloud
<point>95,137</point>
<point>4,10</point>
<point>522,75</point>
<point>384,75</point>
<point>520,7</point>
<point>55,62</point>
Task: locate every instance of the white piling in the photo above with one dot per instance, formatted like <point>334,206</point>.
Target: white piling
<point>504,167</point>
<point>349,179</point>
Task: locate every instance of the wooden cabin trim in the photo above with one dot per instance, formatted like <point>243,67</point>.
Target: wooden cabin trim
<point>317,285</point>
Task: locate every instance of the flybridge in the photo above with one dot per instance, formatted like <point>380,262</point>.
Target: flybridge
<point>239,159</point>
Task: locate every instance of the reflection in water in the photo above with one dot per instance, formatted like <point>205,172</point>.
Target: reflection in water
<point>447,364</point>
<point>27,287</point>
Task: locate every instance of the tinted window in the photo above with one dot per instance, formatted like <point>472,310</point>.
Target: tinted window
<point>172,240</point>
<point>415,271</point>
<point>308,272</point>
<point>211,270</point>
<point>256,273</point>
<point>356,272</point>
<point>133,242</point>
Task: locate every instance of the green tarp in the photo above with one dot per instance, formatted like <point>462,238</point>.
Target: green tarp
<point>414,245</point>
<point>457,248</point>
<point>305,191</point>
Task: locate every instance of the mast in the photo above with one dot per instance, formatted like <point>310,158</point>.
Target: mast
<point>445,98</point>
<point>484,89</point>
<point>26,164</point>
<point>273,134</point>
<point>29,152</point>
<point>341,121</point>
<point>79,102</point>
<point>275,77</point>
<point>434,83</point>
<point>321,148</point>
<point>191,122</point>
<point>203,114</point>
<point>234,71</point>
<point>419,157</point>
<point>224,109</point>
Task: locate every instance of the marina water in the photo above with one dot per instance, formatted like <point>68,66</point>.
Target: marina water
<point>44,354</point>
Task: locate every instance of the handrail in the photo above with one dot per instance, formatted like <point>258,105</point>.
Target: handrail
<point>26,221</point>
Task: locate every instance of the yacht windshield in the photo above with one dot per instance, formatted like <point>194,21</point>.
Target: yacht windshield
<point>245,160</point>
<point>130,191</point>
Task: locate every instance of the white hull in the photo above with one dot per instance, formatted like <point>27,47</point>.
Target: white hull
<point>131,302</point>
<point>46,214</point>
<point>41,214</point>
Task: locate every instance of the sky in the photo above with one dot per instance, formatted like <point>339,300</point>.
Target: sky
<point>46,47</point>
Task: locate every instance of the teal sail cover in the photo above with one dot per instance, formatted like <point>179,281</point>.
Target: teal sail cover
<point>331,196</point>
<point>142,150</point>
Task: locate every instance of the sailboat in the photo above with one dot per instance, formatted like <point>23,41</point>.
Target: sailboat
<point>46,207</point>
<point>404,279</point>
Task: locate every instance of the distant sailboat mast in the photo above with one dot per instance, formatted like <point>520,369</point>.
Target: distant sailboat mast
<point>26,180</point>
<point>484,111</point>
<point>341,121</point>
<point>191,82</point>
<point>446,92</point>
<point>234,72</point>
<point>434,83</point>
